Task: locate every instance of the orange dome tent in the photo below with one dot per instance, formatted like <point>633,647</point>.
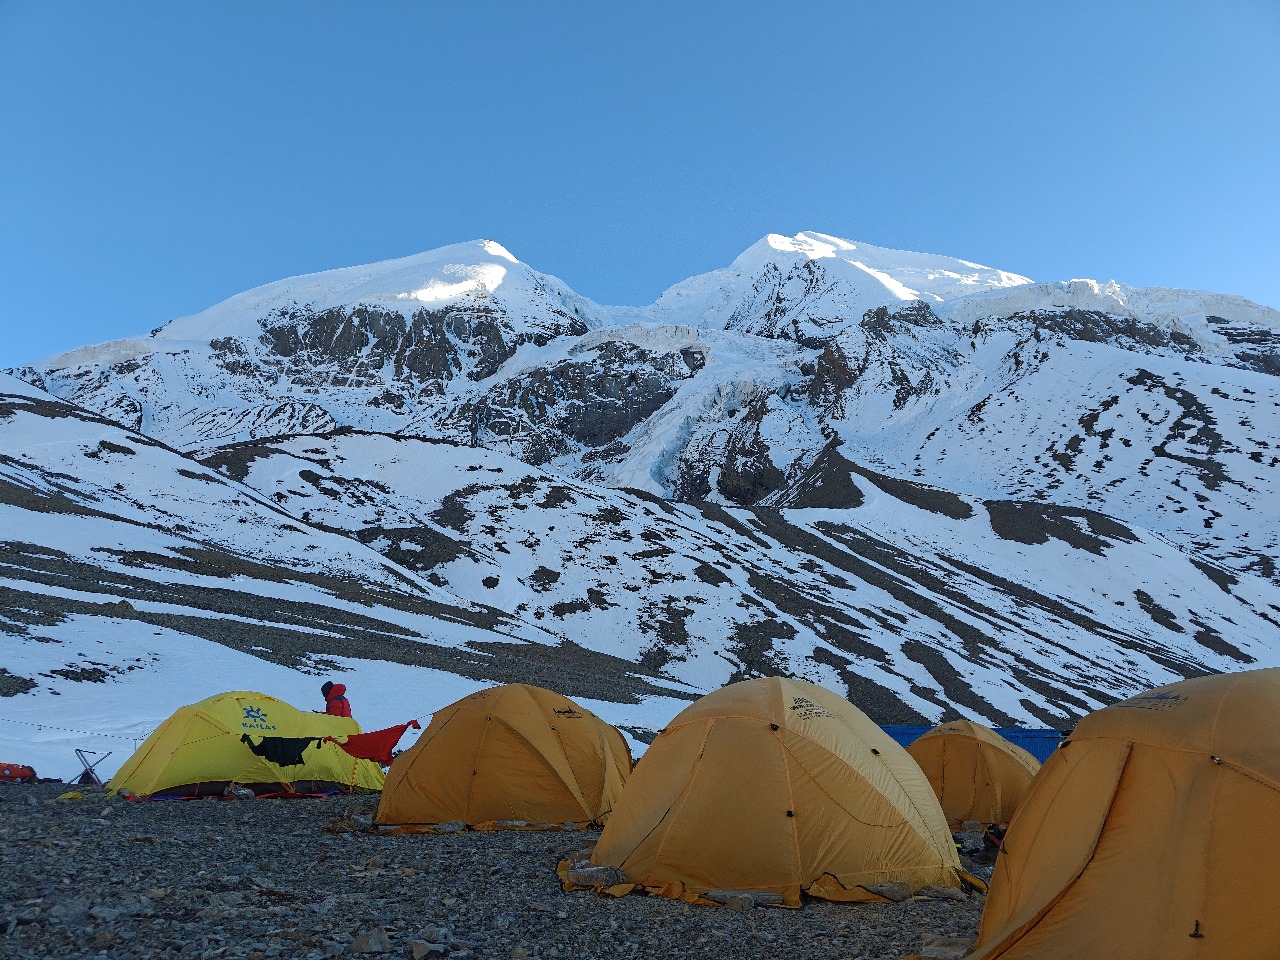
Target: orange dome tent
<point>976,773</point>
<point>510,756</point>
<point>1150,833</point>
<point>776,786</point>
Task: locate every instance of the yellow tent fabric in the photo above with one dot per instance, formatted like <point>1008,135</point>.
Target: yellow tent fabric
<point>1151,833</point>
<point>509,756</point>
<point>976,773</point>
<point>781,786</point>
<point>199,750</point>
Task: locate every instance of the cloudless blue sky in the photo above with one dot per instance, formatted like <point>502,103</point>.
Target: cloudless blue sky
<point>158,157</point>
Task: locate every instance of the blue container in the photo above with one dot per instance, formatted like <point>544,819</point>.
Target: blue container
<point>1039,743</point>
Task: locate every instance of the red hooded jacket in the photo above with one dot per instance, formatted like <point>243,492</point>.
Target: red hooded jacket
<point>336,703</point>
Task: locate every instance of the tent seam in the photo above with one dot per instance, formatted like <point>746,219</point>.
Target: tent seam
<point>1009,942</point>
<point>697,766</point>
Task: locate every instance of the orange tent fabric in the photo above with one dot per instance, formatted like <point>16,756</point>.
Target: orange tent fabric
<point>976,773</point>
<point>510,756</point>
<point>1150,834</point>
<point>780,786</point>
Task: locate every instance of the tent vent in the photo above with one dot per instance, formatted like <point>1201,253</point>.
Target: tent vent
<point>1196,934</point>
<point>875,751</point>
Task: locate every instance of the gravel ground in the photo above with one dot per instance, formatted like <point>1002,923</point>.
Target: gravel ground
<point>290,878</point>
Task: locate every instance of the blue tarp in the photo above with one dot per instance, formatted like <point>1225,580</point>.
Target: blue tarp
<point>1038,743</point>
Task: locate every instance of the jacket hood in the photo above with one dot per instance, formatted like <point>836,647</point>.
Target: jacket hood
<point>338,690</point>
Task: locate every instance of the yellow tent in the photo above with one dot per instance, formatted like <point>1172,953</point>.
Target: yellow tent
<point>781,786</point>
<point>1151,833</point>
<point>976,773</point>
<point>509,756</point>
<point>249,739</point>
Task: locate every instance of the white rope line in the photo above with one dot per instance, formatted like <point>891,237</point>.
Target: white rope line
<point>87,733</point>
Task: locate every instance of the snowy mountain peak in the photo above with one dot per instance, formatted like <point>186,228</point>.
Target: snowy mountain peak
<point>825,276</point>
<point>475,268</point>
<point>903,273</point>
<point>478,275</point>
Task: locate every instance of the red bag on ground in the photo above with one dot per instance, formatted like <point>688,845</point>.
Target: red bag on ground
<point>17,773</point>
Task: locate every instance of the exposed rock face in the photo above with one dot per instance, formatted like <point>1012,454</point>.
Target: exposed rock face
<point>575,404</point>
<point>1093,326</point>
<point>788,303</point>
<point>830,376</point>
<point>735,461</point>
<point>425,347</point>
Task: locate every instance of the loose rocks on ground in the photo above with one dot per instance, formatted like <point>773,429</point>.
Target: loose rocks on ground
<point>270,878</point>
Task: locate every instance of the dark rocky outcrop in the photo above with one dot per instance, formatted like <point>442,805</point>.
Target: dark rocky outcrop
<point>580,403</point>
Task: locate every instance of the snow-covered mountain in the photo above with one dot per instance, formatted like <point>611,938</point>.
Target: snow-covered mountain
<point>914,599</point>
<point>731,384</point>
<point>934,484</point>
<point>133,575</point>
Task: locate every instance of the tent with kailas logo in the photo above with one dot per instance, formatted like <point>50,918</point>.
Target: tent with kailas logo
<point>976,773</point>
<point>507,757</point>
<point>1150,833</point>
<point>249,739</point>
<point>775,787</point>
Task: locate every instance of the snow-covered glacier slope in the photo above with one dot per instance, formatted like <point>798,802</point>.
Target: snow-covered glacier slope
<point>134,580</point>
<point>1154,435</point>
<point>385,346</point>
<point>1218,323</point>
<point>1155,406</point>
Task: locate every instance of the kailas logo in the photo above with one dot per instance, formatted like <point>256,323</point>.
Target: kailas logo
<point>807,709</point>
<point>1153,701</point>
<point>255,718</point>
<point>568,712</point>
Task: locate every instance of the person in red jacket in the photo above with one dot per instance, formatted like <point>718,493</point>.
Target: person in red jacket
<point>336,703</point>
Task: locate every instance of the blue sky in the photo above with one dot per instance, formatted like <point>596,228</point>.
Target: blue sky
<point>156,158</point>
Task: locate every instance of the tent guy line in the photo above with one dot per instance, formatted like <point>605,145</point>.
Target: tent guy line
<point>87,733</point>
